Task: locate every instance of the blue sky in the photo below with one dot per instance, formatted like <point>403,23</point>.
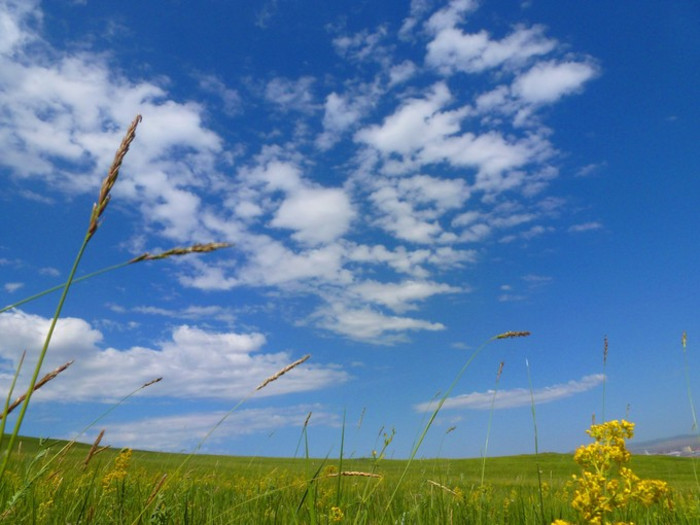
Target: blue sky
<point>401,181</point>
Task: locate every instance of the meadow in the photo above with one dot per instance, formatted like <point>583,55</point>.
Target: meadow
<point>46,482</point>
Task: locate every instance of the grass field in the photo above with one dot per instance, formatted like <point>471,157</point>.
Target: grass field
<point>130,487</point>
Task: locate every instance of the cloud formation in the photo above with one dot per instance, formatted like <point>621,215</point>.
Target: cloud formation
<point>432,167</point>
<point>194,363</point>
<point>516,397</point>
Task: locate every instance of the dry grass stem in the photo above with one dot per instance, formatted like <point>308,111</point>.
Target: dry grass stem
<point>354,473</point>
<point>443,487</point>
<point>156,490</point>
<point>95,448</point>
<point>195,248</point>
<point>306,421</point>
<point>48,377</point>
<point>500,370</point>
<point>107,184</point>
<point>279,374</point>
<point>511,334</point>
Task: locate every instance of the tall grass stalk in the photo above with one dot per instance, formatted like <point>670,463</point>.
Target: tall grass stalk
<point>488,428</point>
<point>6,409</point>
<point>272,378</point>
<point>421,437</point>
<point>537,449</point>
<point>605,374</point>
<point>684,343</point>
<point>340,463</point>
<point>97,211</point>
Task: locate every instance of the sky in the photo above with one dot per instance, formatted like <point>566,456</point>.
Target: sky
<point>400,182</point>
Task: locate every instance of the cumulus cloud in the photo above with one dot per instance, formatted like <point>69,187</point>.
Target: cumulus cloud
<point>366,324</point>
<point>517,397</point>
<point>453,50</point>
<point>549,81</point>
<point>194,363</point>
<point>402,296</point>
<point>317,215</point>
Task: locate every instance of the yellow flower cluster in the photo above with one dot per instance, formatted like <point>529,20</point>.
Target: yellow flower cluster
<point>118,471</point>
<point>336,514</point>
<point>605,485</point>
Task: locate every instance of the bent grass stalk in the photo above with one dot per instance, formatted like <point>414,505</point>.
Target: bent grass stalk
<point>416,447</point>
<point>48,377</point>
<point>173,252</point>
<point>97,211</point>
<point>28,483</point>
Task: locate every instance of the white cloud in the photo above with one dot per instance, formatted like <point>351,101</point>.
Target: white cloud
<point>453,50</point>
<point>182,433</point>
<point>585,227</point>
<point>417,122</point>
<point>450,15</point>
<point>318,215</point>
<point>366,324</point>
<point>363,46</point>
<point>516,397</point>
<point>231,99</point>
<point>291,95</point>
<point>402,296</point>
<point>193,362</point>
<point>12,287</point>
<point>547,82</point>
<point>400,73</point>
<point>410,208</point>
<point>343,111</point>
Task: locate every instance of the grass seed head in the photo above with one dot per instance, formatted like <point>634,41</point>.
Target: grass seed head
<point>277,375</point>
<point>511,334</point>
<point>107,184</point>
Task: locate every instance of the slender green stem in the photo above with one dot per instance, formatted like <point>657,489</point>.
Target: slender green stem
<point>340,463</point>
<point>537,450</point>
<point>684,342</point>
<point>488,428</point>
<point>9,396</point>
<point>42,355</point>
<point>605,374</point>
<point>63,285</point>
<point>441,402</point>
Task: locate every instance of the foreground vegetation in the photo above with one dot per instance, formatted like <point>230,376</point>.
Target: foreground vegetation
<point>126,486</point>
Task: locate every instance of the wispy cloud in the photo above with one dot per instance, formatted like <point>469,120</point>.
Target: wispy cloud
<point>182,433</point>
<point>516,397</point>
<point>12,287</point>
<point>585,227</point>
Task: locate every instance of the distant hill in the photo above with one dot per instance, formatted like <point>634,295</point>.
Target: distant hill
<point>686,445</point>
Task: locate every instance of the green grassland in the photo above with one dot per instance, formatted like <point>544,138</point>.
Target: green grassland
<point>199,489</point>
